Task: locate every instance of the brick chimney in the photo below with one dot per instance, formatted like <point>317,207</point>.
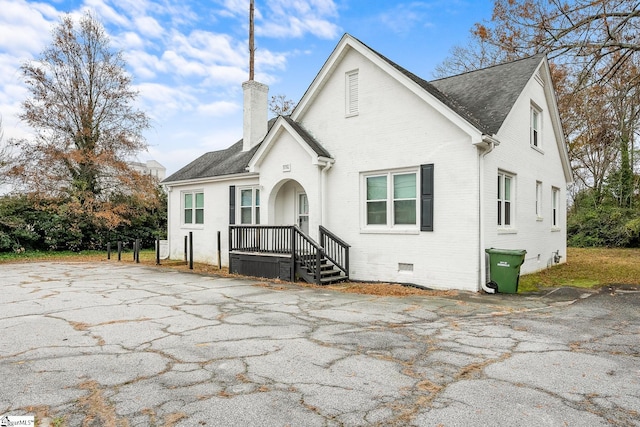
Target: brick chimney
<point>254,127</point>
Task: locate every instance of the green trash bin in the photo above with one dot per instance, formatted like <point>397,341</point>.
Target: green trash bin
<point>504,268</point>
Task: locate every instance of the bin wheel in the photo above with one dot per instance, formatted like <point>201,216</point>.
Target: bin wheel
<point>493,285</point>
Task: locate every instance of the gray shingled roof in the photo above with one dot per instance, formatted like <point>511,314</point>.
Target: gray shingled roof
<point>489,94</point>
<point>233,160</point>
<point>482,97</point>
<point>216,163</point>
<point>306,136</point>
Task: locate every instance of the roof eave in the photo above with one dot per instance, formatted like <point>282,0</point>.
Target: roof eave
<point>207,180</point>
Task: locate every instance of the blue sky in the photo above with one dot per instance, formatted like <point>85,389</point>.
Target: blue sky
<point>188,58</point>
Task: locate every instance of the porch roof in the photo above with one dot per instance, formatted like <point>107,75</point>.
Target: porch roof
<point>307,137</point>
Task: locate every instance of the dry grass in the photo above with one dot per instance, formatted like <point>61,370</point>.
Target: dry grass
<point>585,267</point>
<point>588,268</point>
<point>147,258</point>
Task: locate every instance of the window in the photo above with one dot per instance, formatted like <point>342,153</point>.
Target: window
<point>193,208</point>
<point>351,95</point>
<point>555,194</point>
<point>391,199</point>
<point>536,126</point>
<point>250,205</point>
<point>538,199</point>
<point>506,189</point>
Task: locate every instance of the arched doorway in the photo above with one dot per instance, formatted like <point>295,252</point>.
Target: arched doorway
<point>291,205</point>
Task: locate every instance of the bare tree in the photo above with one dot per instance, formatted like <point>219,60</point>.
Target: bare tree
<point>594,48</point>
<point>81,107</point>
<point>5,157</point>
<point>599,35</point>
<point>478,53</point>
<point>279,105</point>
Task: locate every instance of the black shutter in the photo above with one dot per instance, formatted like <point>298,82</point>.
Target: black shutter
<point>426,197</point>
<point>232,204</point>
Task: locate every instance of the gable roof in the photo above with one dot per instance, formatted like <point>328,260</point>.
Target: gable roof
<point>319,156</point>
<point>481,98</point>
<point>307,137</point>
<point>488,94</point>
<point>443,97</point>
<point>229,161</point>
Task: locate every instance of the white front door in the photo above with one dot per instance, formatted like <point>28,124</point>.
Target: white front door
<point>303,212</point>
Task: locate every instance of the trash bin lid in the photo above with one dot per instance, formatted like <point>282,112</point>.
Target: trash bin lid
<point>515,252</point>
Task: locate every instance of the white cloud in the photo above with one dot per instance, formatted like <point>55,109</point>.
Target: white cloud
<point>219,108</point>
<point>296,18</point>
<point>210,48</point>
<point>128,40</point>
<point>404,16</point>
<point>106,13</point>
<point>25,28</point>
<point>144,66</point>
<point>182,66</point>
<point>187,58</point>
<point>148,26</point>
<point>162,101</point>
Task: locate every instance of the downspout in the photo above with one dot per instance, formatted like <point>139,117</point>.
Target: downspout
<point>323,191</point>
<point>491,142</point>
<point>167,189</point>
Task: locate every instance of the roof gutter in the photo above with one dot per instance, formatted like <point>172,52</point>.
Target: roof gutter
<point>210,179</point>
<point>488,142</point>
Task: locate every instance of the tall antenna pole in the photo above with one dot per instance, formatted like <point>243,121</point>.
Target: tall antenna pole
<point>252,48</point>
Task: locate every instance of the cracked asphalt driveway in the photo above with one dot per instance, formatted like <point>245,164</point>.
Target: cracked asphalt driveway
<point>124,345</point>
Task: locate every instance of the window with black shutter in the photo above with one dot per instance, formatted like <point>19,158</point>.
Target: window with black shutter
<point>232,204</point>
<point>426,197</point>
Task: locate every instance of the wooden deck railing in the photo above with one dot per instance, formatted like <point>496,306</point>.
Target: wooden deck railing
<point>291,240</point>
<point>335,249</point>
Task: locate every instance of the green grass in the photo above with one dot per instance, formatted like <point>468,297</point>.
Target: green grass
<point>588,268</point>
<point>70,256</point>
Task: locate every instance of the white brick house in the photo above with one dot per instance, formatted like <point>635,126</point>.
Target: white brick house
<point>418,177</point>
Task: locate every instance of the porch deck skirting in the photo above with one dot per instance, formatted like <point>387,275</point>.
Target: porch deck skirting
<point>258,264</point>
<point>287,253</point>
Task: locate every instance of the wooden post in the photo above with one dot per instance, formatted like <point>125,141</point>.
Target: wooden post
<point>119,250</point>
<point>219,252</point>
<point>191,250</point>
<point>133,244</point>
<point>137,251</point>
<point>252,48</point>
<point>292,229</point>
<point>108,250</point>
<point>186,246</point>
<point>157,251</point>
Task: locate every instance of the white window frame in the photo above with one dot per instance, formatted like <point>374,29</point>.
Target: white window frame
<point>390,225</point>
<point>539,207</point>
<point>193,208</point>
<point>555,208</point>
<point>535,127</point>
<point>254,207</point>
<point>503,208</point>
<point>352,107</point>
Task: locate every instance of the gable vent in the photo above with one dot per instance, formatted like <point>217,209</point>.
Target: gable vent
<point>352,93</point>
